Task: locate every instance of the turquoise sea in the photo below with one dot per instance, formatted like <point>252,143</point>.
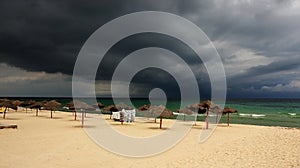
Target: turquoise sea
<point>269,112</point>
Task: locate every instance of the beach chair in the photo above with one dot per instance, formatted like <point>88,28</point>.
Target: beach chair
<point>2,110</point>
<point>132,115</point>
<point>126,115</point>
<point>116,116</point>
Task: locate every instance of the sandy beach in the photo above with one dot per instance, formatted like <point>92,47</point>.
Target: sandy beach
<point>61,142</point>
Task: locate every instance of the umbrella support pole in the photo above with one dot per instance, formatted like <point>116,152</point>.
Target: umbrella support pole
<point>228,119</point>
<point>217,117</point>
<point>82,119</point>
<point>207,119</point>
<point>4,113</point>
<point>154,119</point>
<point>75,115</point>
<point>160,122</point>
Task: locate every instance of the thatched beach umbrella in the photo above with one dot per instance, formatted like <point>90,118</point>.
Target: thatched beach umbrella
<point>124,106</point>
<point>209,106</point>
<point>52,106</point>
<point>160,111</point>
<point>27,103</point>
<point>7,104</point>
<point>144,107</point>
<point>82,106</point>
<point>70,105</point>
<point>111,108</point>
<point>17,103</point>
<point>37,106</point>
<point>200,108</point>
<point>228,110</point>
<point>206,104</point>
<point>153,111</point>
<point>10,104</point>
<point>185,111</point>
<point>197,107</point>
<point>98,105</point>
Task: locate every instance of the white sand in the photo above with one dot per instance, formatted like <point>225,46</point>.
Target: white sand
<point>60,142</point>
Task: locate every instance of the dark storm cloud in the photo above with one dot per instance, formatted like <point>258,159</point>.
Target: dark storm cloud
<point>43,35</point>
<point>139,41</point>
<point>153,78</point>
<point>274,67</point>
<point>270,28</point>
<point>46,36</point>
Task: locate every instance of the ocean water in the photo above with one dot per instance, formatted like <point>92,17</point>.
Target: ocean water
<point>269,112</point>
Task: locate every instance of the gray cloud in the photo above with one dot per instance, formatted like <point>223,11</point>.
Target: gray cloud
<point>257,40</point>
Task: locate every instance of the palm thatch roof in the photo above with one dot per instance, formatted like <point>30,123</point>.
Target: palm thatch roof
<point>161,111</point>
<point>17,102</point>
<point>144,107</point>
<point>27,103</point>
<point>81,105</point>
<point>124,106</point>
<point>209,105</point>
<point>37,105</point>
<point>70,105</point>
<point>186,111</point>
<point>100,105</point>
<point>197,107</point>
<point>52,105</point>
<point>229,110</point>
<point>7,103</point>
<point>111,108</point>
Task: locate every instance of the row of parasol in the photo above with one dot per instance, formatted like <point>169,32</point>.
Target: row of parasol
<point>160,111</point>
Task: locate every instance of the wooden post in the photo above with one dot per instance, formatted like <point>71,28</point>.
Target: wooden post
<point>75,115</point>
<point>4,113</point>
<point>154,119</point>
<point>160,122</point>
<point>51,113</point>
<point>207,118</point>
<point>36,112</point>
<point>82,119</point>
<point>228,119</point>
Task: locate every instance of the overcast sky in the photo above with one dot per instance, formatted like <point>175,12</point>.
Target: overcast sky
<point>258,42</point>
